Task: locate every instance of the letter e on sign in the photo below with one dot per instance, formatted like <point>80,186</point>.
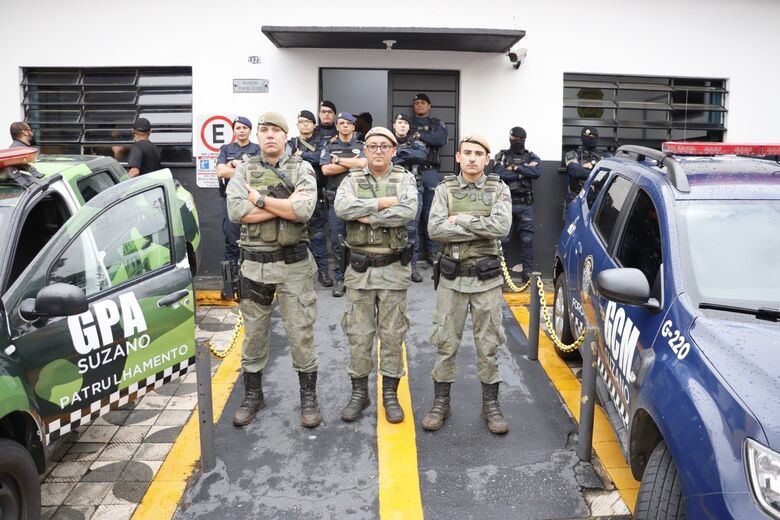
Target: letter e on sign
<point>216,131</point>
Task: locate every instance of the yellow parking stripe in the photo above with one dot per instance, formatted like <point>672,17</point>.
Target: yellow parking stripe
<point>399,482</point>
<point>167,488</point>
<point>605,442</point>
<point>213,298</point>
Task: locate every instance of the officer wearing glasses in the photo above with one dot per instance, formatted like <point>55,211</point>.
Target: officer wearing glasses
<point>21,135</point>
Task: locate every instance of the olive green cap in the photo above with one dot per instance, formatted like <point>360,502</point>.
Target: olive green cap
<point>384,132</point>
<point>478,139</point>
<point>273,118</point>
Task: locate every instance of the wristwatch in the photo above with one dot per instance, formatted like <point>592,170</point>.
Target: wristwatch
<point>336,159</point>
<point>260,202</point>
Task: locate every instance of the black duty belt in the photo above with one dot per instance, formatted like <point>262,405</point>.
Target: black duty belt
<point>290,254</point>
<point>375,260</point>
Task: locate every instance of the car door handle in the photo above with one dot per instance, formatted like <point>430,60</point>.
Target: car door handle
<point>172,298</point>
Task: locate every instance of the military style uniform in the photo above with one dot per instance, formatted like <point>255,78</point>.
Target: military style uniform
<point>577,173</point>
<point>411,155</point>
<point>232,231</point>
<point>470,278</point>
<point>377,277</point>
<point>517,173</point>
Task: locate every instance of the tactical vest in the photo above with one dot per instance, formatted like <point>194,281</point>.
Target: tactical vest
<point>382,240</point>
<point>474,201</point>
<point>277,231</point>
<point>521,189</point>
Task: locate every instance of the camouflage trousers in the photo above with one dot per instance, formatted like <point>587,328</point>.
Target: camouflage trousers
<point>447,333</point>
<point>375,312</point>
<point>298,307</point>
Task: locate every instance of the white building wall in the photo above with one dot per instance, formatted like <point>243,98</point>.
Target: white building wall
<point>717,38</point>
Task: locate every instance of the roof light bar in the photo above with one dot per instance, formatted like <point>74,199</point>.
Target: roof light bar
<point>17,156</point>
<point>703,148</point>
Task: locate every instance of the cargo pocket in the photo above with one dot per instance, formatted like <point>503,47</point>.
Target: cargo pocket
<point>437,330</point>
<point>496,323</point>
<point>308,303</point>
<point>348,319</point>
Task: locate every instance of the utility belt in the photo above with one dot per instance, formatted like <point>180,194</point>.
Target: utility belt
<point>523,198</point>
<point>290,254</point>
<point>360,262</point>
<point>485,268</point>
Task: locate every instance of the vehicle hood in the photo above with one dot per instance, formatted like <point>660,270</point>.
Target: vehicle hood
<point>744,351</point>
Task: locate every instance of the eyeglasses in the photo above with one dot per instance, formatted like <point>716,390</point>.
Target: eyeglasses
<point>384,147</point>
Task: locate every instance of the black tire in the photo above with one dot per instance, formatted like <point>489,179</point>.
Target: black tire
<point>20,486</point>
<point>660,494</point>
<point>561,320</point>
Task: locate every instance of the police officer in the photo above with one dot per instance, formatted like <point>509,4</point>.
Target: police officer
<point>470,214</point>
<point>273,196</point>
<point>230,156</point>
<point>433,133</point>
<point>517,167</point>
<point>306,146</point>
<point>581,161</point>
<point>21,135</point>
<point>341,153</point>
<point>411,154</point>
<point>377,202</point>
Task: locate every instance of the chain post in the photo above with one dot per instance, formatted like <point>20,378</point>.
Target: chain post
<point>533,322</point>
<point>587,396</point>
<point>205,407</point>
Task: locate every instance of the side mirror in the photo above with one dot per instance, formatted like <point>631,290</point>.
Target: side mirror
<point>59,299</point>
<point>626,285</point>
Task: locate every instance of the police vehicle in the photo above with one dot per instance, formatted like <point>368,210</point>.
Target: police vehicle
<point>673,256</point>
<point>97,301</point>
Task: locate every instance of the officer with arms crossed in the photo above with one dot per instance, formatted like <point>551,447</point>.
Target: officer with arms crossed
<point>517,167</point>
<point>273,197</point>
<point>581,161</point>
<point>341,153</point>
<point>306,146</point>
<point>433,133</point>
<point>230,156</point>
<point>470,214</point>
<point>411,155</point>
<point>377,202</point>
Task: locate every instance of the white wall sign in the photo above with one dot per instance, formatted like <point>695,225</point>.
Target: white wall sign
<point>213,132</point>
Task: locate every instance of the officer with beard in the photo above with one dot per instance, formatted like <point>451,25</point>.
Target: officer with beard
<point>517,167</point>
<point>433,133</point>
<point>21,135</point>
<point>581,161</point>
<point>411,154</point>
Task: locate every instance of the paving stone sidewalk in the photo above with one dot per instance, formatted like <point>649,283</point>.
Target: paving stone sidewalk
<point>102,470</point>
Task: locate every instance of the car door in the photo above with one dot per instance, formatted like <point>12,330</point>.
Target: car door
<point>125,250</point>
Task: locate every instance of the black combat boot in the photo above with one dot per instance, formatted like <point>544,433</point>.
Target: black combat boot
<point>434,419</point>
<point>339,290</point>
<point>393,411</point>
<point>253,399</point>
<point>416,277</point>
<point>324,278</point>
<point>310,410</point>
<point>491,410</point>
<point>358,401</point>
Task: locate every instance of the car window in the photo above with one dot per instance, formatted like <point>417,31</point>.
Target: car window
<point>611,205</point>
<point>640,245</point>
<point>128,240</point>
<point>599,180</point>
<point>94,184</point>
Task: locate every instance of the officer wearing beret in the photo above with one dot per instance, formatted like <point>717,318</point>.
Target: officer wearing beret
<point>272,196</point>
<point>433,133</point>
<point>230,156</point>
<point>341,153</point>
<point>307,147</point>
<point>469,215</point>
<point>518,167</point>
<point>411,154</point>
<point>377,202</point>
<point>581,161</point>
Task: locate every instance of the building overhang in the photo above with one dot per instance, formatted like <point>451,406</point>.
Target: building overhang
<point>402,38</point>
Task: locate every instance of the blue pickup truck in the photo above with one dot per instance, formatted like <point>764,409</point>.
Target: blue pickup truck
<point>673,256</point>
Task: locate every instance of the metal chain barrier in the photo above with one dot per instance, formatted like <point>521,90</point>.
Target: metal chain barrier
<point>550,329</point>
<point>507,278</point>
<point>222,354</point>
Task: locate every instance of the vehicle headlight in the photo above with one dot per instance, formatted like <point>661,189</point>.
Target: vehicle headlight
<point>763,469</point>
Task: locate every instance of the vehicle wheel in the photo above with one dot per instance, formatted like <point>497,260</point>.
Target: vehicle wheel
<point>660,494</point>
<point>20,487</point>
<point>560,318</point>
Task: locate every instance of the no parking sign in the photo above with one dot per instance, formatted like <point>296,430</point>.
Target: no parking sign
<point>212,132</point>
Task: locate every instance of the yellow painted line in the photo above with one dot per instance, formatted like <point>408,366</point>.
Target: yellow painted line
<point>213,298</point>
<point>605,442</point>
<point>399,481</point>
<point>167,488</point>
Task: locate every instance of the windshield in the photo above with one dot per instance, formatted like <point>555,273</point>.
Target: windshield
<point>733,249</point>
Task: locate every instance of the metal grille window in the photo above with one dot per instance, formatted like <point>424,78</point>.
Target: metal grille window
<point>643,110</point>
<point>91,111</point>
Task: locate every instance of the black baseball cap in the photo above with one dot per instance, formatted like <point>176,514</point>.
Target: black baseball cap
<point>422,96</point>
<point>142,125</point>
<point>518,132</point>
<point>589,130</point>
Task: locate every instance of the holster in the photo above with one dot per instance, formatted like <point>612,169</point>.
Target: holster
<point>345,254</point>
<point>488,267</point>
<point>448,267</point>
<point>222,187</point>
<point>406,254</point>
<point>260,293</point>
<point>330,195</point>
<point>358,261</point>
<point>436,271</point>
<point>231,286</point>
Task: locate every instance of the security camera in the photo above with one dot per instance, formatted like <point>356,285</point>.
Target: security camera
<point>516,55</point>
